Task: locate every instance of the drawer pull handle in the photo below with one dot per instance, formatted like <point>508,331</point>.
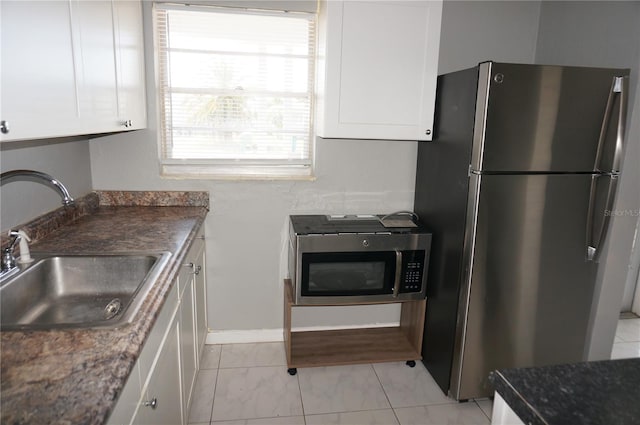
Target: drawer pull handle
<point>196,269</point>
<point>153,403</point>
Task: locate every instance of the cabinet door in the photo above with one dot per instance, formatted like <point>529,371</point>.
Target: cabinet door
<point>128,401</point>
<point>94,51</point>
<point>200,291</point>
<point>378,69</point>
<point>187,340</point>
<point>163,403</point>
<point>129,48</point>
<point>38,96</point>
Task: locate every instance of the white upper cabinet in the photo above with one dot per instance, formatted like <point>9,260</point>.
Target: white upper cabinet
<point>37,88</point>
<point>377,69</point>
<point>71,67</point>
<point>129,43</point>
<point>94,57</point>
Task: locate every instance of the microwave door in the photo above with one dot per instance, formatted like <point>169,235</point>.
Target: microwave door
<point>347,274</point>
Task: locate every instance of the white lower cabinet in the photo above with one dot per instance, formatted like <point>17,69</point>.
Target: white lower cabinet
<point>160,387</point>
<point>193,326</point>
<point>129,399</point>
<point>200,290</point>
<point>163,403</point>
<point>188,340</point>
<point>153,393</point>
<point>503,414</point>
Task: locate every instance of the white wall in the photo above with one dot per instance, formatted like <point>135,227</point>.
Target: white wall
<point>22,201</point>
<point>478,31</point>
<point>604,34</point>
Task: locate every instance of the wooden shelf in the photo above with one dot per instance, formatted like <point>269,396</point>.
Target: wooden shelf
<point>353,346</point>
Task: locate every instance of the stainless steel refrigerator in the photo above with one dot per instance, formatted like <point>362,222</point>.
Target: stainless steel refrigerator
<point>517,187</point>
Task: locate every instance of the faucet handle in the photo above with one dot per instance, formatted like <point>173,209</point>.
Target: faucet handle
<point>16,237</point>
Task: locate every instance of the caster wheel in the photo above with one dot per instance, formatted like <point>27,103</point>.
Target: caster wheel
<point>292,371</point>
<point>411,363</point>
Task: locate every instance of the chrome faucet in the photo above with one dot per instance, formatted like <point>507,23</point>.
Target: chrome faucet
<point>41,178</point>
<point>8,260</point>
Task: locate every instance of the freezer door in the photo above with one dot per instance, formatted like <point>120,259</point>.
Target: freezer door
<point>528,298</point>
<point>538,118</point>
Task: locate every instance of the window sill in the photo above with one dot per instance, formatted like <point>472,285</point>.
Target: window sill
<point>236,172</point>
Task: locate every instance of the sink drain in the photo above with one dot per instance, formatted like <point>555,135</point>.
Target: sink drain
<point>112,309</point>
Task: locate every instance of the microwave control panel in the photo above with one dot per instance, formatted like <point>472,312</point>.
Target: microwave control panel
<point>412,271</point>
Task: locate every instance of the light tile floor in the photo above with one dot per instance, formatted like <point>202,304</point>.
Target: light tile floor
<point>627,341</point>
<point>248,384</point>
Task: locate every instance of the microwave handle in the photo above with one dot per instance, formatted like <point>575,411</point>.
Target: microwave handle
<point>396,284</point>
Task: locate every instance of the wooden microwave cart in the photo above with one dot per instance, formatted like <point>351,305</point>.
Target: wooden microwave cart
<point>354,346</point>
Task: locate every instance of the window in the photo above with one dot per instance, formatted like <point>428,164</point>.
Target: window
<point>235,91</point>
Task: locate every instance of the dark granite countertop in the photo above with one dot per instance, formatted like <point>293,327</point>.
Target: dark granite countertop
<point>603,393</point>
<point>75,376</point>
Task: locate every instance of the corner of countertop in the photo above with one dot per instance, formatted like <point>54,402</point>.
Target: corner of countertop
<point>43,225</point>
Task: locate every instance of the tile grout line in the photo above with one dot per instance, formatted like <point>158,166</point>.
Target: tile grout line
<point>219,368</point>
<point>385,393</point>
<point>297,376</point>
<point>481,409</point>
<point>215,387</point>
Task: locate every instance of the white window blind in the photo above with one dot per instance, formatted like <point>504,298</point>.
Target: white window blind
<point>235,91</point>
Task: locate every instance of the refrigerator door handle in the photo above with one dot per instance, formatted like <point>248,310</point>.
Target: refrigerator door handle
<point>618,91</point>
<point>595,238</point>
<point>620,85</point>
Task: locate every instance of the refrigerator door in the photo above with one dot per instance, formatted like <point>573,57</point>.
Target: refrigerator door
<point>527,288</point>
<point>539,118</point>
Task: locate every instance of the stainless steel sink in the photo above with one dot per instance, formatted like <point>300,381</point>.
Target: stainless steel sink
<point>79,291</point>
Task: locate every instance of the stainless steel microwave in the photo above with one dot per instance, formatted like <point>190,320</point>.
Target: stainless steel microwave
<point>356,260</point>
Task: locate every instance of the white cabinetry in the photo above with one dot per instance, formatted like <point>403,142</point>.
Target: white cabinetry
<point>188,344</point>
<point>200,291</point>
<point>192,302</point>
<point>503,414</point>
<point>71,68</point>
<point>154,383</point>
<point>38,92</point>
<point>163,403</point>
<point>160,387</point>
<point>377,69</point>
<point>95,65</point>
<point>130,77</point>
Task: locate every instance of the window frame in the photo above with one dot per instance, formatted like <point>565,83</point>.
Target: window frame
<point>234,169</point>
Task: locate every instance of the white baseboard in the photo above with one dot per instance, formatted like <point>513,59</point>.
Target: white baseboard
<point>240,337</point>
<point>275,335</point>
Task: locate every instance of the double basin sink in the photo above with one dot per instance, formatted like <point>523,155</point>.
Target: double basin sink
<point>78,291</point>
